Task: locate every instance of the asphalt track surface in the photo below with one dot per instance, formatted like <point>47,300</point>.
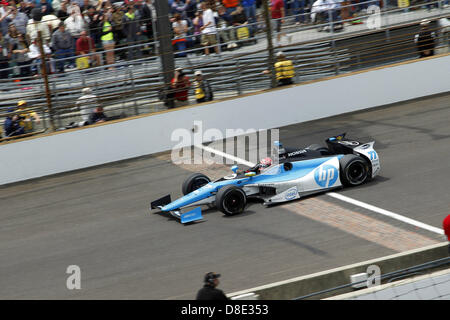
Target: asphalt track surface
<point>98,219</point>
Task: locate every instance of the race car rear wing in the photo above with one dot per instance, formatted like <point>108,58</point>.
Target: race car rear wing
<point>341,145</point>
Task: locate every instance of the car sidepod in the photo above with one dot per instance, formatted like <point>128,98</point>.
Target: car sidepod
<point>305,177</point>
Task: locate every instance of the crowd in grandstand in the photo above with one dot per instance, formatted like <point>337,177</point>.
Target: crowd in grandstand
<point>74,31</point>
<point>84,33</point>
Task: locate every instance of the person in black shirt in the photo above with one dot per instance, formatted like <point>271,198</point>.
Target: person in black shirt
<point>425,40</point>
<point>209,290</point>
<point>97,116</point>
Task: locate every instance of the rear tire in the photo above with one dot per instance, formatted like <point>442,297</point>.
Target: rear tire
<point>194,182</point>
<point>354,170</point>
<point>231,200</point>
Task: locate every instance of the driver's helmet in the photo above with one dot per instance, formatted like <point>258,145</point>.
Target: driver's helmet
<point>265,163</point>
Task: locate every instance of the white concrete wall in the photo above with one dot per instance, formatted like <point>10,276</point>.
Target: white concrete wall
<point>78,149</point>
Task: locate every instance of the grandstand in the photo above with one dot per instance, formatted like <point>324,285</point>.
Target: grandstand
<point>133,86</point>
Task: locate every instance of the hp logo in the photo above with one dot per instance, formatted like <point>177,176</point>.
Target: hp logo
<point>326,176</point>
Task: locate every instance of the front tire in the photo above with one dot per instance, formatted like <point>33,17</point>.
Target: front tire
<point>354,170</point>
<point>194,182</point>
<point>231,200</point>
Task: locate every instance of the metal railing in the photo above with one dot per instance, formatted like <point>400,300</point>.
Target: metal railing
<point>133,87</point>
<point>384,278</point>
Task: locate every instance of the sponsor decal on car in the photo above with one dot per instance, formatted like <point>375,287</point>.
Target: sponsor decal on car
<point>291,193</point>
<point>326,175</point>
<point>294,153</point>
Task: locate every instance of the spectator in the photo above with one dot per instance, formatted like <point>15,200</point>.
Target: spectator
<point>225,22</point>
<point>20,51</point>
<point>209,290</point>
<point>117,23</point>
<point>209,36</point>
<point>446,226</point>
<point>35,25</point>
<point>62,45</point>
<point>56,5</point>
<point>52,22</point>
<point>132,31</point>
<point>250,11</point>
<point>75,22</point>
<point>425,40</point>
<point>86,105</point>
<point>46,7</point>
<point>299,11</point>
<point>239,19</point>
<point>25,7</point>
<point>5,17</point>
<point>5,55</point>
<point>34,53</point>
<point>180,85</point>
<point>97,116</point>
<point>91,17</point>
<point>85,45</point>
<point>198,23</point>
<point>145,14</point>
<point>284,70</point>
<point>191,9</point>
<point>180,29</point>
<point>107,39</point>
<point>230,5</point>
<point>19,19</point>
<point>11,125</point>
<point>27,118</point>
<point>180,7</point>
<point>278,14</point>
<point>202,88</point>
<point>63,12</point>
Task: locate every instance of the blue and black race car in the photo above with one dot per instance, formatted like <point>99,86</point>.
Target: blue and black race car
<point>297,173</point>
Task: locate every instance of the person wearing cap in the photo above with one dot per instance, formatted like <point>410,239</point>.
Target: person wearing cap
<point>202,88</point>
<point>35,25</point>
<point>180,85</point>
<point>425,40</point>
<point>284,70</point>
<point>11,125</point>
<point>209,290</point>
<point>27,118</point>
<point>86,104</point>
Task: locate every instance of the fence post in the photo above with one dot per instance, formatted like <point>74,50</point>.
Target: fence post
<point>239,82</point>
<point>271,60</point>
<point>133,87</point>
<point>44,74</point>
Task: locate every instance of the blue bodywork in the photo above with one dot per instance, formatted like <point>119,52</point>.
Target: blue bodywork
<point>273,174</point>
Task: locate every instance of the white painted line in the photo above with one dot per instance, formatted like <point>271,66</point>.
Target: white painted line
<point>340,197</point>
<point>386,213</point>
<point>225,155</point>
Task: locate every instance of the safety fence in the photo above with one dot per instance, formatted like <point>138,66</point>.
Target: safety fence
<point>431,285</point>
<point>132,87</point>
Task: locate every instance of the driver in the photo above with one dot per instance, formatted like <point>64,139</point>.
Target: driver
<point>263,164</point>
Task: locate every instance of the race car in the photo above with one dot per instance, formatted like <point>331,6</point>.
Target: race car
<point>297,173</point>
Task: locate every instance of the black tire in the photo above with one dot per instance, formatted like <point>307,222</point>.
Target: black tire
<point>318,147</point>
<point>354,170</point>
<point>231,200</point>
<point>194,182</point>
